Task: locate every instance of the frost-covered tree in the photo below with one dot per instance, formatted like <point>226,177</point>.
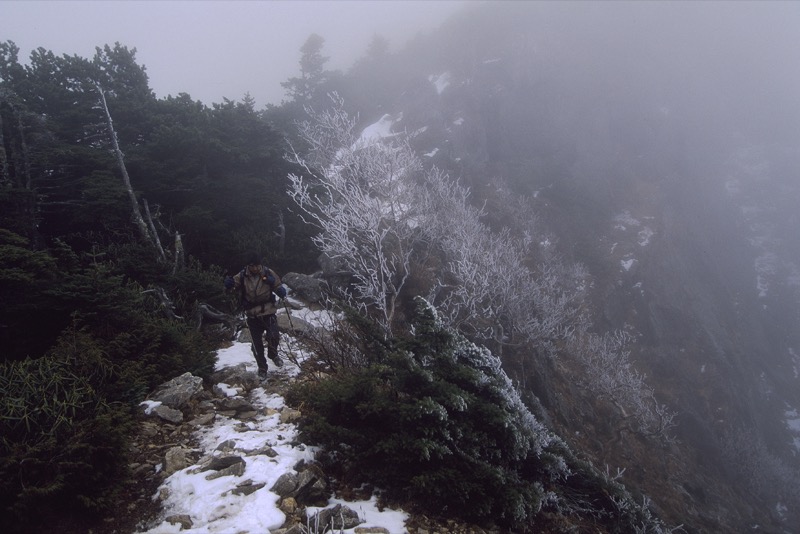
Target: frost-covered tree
<point>357,190</point>
<point>379,212</point>
<point>459,436</point>
<point>610,376</point>
<point>499,285</point>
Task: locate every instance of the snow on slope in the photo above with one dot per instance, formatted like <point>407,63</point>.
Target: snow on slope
<point>212,504</point>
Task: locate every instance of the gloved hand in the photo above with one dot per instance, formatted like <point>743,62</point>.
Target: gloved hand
<point>229,283</point>
<point>281,292</point>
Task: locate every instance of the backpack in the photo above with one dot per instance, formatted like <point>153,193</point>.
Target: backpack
<point>266,277</point>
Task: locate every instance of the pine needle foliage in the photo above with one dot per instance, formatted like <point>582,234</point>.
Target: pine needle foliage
<point>434,422</point>
<point>432,419</point>
<point>63,442</point>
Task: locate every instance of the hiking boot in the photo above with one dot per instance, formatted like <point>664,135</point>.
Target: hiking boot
<point>262,374</point>
<point>277,361</point>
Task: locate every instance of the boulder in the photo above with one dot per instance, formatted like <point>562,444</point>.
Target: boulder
<point>290,415</point>
<point>236,376</point>
<point>307,288</point>
<point>286,485</point>
<point>175,460</point>
<point>295,325</point>
<point>332,267</point>
<point>338,518</point>
<point>218,463</point>
<point>235,404</point>
<point>180,519</point>
<point>247,487</point>
<point>179,391</point>
<point>168,414</point>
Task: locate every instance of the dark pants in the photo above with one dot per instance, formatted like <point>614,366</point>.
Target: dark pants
<point>258,326</point>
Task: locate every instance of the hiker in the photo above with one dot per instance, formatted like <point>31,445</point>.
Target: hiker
<point>259,285</point>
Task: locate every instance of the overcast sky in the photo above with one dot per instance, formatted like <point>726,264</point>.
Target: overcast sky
<point>215,49</point>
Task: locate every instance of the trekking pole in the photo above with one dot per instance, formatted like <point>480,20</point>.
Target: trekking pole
<point>290,354</point>
<point>289,315</point>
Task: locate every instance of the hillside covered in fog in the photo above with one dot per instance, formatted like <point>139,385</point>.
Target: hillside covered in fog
<point>601,196</point>
<point>657,145</point>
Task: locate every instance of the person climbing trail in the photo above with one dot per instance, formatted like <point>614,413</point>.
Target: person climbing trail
<point>259,287</point>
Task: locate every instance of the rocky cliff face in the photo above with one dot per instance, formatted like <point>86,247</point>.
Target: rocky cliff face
<point>681,207</point>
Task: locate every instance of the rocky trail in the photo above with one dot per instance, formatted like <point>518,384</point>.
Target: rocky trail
<point>223,456</point>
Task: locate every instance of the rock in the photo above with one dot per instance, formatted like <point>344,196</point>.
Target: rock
<point>226,446</point>
<point>306,287</point>
<point>290,415</point>
<point>203,420</point>
<point>180,519</point>
<point>295,325</point>
<point>333,267</point>
<point>285,485</point>
<point>168,414</point>
<point>312,489</point>
<point>148,429</point>
<point>175,460</point>
<point>235,404</point>
<point>177,392</point>
<point>219,463</point>
<point>288,506</point>
<point>339,517</point>
<point>247,487</point>
<point>265,451</point>
<point>222,389</point>
<point>236,376</point>
<point>371,530</point>
<point>235,470</point>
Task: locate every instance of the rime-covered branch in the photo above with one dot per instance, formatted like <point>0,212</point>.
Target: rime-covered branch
<point>611,375</point>
<point>358,195</point>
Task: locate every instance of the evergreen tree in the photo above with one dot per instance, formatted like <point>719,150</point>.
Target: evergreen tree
<point>306,87</point>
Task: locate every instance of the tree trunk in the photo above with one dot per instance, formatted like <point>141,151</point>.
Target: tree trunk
<point>137,214</point>
<point>178,254</point>
<point>281,234</point>
<point>5,178</point>
<point>153,231</point>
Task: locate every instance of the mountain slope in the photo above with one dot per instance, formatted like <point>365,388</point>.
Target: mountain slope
<point>653,156</point>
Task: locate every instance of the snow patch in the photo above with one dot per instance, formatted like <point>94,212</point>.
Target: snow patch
<point>440,81</point>
<point>627,264</point>
<point>793,422</point>
<point>766,267</point>
<point>149,406</point>
<point>625,218</point>
<point>645,234</point>
<point>379,129</point>
<point>227,390</point>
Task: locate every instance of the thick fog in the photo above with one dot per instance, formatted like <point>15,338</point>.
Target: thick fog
<point>218,49</point>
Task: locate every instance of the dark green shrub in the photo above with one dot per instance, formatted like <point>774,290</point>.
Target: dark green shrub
<point>63,443</point>
<point>435,421</point>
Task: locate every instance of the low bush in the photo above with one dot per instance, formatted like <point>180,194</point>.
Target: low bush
<point>433,419</point>
<point>63,442</point>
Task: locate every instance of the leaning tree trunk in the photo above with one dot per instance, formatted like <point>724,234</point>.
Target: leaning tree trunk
<point>137,214</point>
<point>5,177</point>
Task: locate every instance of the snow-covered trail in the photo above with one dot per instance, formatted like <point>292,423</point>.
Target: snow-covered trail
<point>269,447</point>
